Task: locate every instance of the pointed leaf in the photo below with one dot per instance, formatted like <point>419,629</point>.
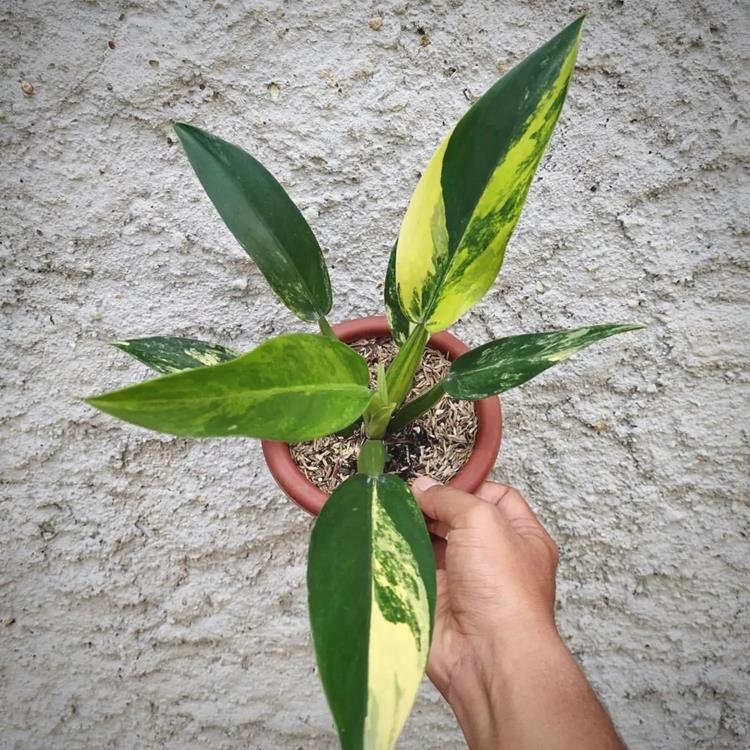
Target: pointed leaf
<point>400,325</point>
<point>400,373</point>
<point>469,198</point>
<point>294,387</point>
<point>264,220</point>
<point>508,362</point>
<point>371,588</point>
<point>168,354</point>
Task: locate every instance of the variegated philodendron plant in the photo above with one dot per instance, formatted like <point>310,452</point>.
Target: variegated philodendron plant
<point>371,574</point>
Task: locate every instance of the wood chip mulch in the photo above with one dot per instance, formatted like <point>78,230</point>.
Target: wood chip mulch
<point>438,443</point>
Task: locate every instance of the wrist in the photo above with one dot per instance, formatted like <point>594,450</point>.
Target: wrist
<point>483,688</point>
<point>520,638</point>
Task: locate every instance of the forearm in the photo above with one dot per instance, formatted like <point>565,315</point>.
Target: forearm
<point>529,695</point>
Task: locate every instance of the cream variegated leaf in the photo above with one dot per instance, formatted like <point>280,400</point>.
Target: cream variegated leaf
<point>167,354</point>
<point>505,363</point>
<point>372,617</point>
<point>469,198</point>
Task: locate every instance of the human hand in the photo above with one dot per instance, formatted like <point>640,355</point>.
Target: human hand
<point>495,575</point>
<point>496,655</point>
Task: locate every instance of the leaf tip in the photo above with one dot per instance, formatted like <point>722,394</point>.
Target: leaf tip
<point>573,30</point>
<point>577,23</point>
<point>185,130</point>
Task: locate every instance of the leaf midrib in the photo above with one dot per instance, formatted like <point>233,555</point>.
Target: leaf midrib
<point>237,395</point>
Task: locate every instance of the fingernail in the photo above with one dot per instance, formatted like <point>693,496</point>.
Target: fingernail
<point>424,483</point>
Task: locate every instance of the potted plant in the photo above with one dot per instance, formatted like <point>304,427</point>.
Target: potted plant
<point>371,574</point>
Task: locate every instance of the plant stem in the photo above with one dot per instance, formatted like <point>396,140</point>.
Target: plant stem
<point>325,328</point>
<point>416,407</point>
<point>376,421</point>
<point>372,458</point>
<point>400,373</point>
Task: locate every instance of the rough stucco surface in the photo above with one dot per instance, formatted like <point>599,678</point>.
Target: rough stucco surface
<point>152,589</point>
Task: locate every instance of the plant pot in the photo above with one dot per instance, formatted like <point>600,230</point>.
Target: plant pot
<point>304,493</point>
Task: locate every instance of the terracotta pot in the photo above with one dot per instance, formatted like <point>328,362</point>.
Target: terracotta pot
<point>476,470</point>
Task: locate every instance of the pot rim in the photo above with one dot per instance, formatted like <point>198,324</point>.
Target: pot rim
<point>300,490</point>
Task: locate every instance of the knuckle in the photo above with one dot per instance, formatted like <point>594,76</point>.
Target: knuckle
<point>482,514</point>
<point>514,495</point>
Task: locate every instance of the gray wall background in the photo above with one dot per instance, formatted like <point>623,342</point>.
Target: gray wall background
<point>152,589</point>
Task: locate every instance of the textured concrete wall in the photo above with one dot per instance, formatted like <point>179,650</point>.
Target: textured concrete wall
<point>152,589</point>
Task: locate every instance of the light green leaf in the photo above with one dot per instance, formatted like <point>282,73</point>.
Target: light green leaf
<point>469,198</point>
<point>371,588</point>
<point>400,372</point>
<point>379,410</point>
<point>293,388</point>
<point>505,363</point>
<point>264,220</point>
<point>168,354</point>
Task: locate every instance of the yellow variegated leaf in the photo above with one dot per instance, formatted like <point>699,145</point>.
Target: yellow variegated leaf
<point>469,198</point>
<point>371,584</point>
<point>422,248</point>
<point>399,630</point>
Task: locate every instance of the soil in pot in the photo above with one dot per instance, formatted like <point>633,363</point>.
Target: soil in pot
<point>439,443</point>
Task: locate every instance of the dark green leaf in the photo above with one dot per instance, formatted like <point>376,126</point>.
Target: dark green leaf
<point>168,354</point>
<point>371,588</point>
<point>264,220</point>
<point>508,362</point>
<point>294,387</point>
<point>400,325</point>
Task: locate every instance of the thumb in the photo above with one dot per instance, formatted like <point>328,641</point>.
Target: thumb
<point>443,504</point>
